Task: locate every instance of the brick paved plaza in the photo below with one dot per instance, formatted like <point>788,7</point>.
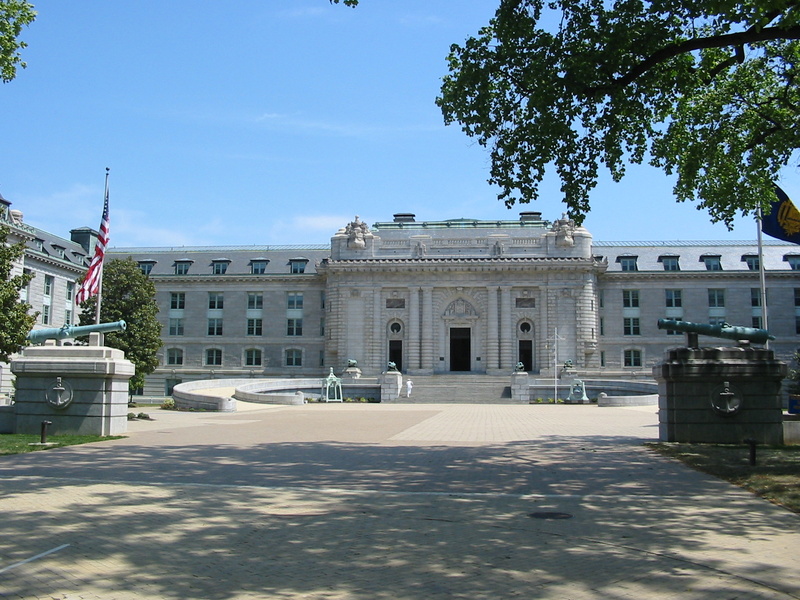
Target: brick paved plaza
<point>386,502</point>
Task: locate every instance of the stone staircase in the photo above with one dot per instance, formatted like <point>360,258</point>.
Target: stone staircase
<point>464,388</point>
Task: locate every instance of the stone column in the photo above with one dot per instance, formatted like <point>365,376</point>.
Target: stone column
<point>506,330</point>
<point>427,330</point>
<point>413,330</point>
<point>492,356</point>
<point>379,344</point>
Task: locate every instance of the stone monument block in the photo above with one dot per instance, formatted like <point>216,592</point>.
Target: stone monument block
<point>720,395</point>
<point>82,390</point>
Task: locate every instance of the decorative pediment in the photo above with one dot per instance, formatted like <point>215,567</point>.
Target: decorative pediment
<point>460,308</point>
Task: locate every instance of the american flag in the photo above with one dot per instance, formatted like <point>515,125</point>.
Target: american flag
<point>91,284</point>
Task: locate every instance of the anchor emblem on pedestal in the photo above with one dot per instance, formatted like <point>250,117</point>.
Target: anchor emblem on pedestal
<point>59,394</point>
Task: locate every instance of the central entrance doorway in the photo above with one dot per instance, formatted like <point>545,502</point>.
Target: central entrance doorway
<point>460,349</point>
<point>396,353</point>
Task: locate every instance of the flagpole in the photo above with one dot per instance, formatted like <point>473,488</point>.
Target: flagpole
<point>762,276</point>
<point>100,282</point>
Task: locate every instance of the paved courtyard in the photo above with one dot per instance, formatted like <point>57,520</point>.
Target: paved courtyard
<point>386,501</point>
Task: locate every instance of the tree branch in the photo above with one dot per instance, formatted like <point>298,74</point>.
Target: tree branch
<point>716,41</point>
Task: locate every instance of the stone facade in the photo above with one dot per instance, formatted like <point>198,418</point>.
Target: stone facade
<point>56,265</point>
<point>454,296</point>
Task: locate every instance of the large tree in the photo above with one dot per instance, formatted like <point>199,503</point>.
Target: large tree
<point>129,295</point>
<point>14,15</point>
<point>704,89</point>
<point>16,320</point>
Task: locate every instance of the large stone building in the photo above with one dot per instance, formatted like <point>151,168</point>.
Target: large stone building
<point>56,265</point>
<point>454,296</point>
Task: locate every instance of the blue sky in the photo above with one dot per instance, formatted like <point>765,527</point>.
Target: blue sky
<point>269,122</point>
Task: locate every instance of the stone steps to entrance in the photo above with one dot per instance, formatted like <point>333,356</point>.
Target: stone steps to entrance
<point>457,389</point>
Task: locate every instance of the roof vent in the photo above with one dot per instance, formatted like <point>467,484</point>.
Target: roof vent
<point>530,216</point>
<point>404,217</point>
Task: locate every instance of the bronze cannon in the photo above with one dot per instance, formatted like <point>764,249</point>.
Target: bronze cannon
<point>750,334</point>
<point>39,336</point>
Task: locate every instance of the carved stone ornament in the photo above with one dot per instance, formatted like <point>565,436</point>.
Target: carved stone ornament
<point>59,394</point>
<point>357,232</point>
<point>564,229</point>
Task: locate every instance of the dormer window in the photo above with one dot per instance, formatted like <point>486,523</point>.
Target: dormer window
<point>793,260</point>
<point>220,266</point>
<point>59,250</point>
<point>712,262</point>
<point>670,262</point>
<point>145,266</point>
<point>298,265</point>
<point>38,244</point>
<point>182,266</point>
<point>258,266</point>
<point>628,263</point>
<point>752,261</point>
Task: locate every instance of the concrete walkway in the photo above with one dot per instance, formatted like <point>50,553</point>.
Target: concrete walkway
<point>383,501</point>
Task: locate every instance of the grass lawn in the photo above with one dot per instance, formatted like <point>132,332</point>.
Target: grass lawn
<point>14,443</point>
<point>775,477</point>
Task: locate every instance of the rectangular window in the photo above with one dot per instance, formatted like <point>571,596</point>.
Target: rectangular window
<point>145,267</point>
<point>68,317</point>
<point>395,303</point>
<point>630,298</point>
<point>673,298</point>
<point>793,260</point>
<point>182,268</point>
<point>752,262</point>
<point>797,324</point>
<point>602,326</point>
<point>219,267</point>
<point>215,300</point>
<point>294,327</point>
<point>755,297</point>
<point>295,300</point>
<point>176,326</point>
<point>298,266</point>
<point>214,357</point>
<point>70,291</point>
<point>254,327</point>
<point>258,267</point>
<point>716,298</point>
<point>174,356</point>
<point>48,285</point>
<point>294,358</point>
<point>215,327</point>
<point>670,263</point>
<point>630,326</point>
<point>720,321</point>
<point>632,358</point>
<point>628,263</point>
<point>797,296</point>
<point>252,357</point>
<point>756,322</point>
<point>322,300</point>
<point>177,300</point>
<point>322,326</point>
<point>255,300</point>
<point>45,314</point>
<point>712,263</point>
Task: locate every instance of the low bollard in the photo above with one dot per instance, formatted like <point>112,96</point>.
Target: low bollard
<point>752,444</point>
<point>44,431</point>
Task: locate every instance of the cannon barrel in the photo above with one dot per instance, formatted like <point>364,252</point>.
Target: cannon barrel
<point>38,336</point>
<point>751,334</point>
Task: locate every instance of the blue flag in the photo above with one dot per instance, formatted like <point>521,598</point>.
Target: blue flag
<point>783,221</point>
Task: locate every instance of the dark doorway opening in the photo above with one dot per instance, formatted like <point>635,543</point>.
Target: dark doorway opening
<point>526,354</point>
<point>396,353</point>
<point>460,349</point>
